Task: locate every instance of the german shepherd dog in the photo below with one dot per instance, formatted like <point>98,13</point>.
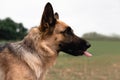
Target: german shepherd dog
<point>30,58</point>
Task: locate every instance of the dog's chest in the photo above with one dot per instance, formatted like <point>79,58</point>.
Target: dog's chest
<point>34,63</point>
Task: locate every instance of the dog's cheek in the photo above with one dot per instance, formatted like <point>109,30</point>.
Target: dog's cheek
<point>58,38</point>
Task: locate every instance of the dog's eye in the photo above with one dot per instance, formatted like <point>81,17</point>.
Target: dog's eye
<point>67,31</point>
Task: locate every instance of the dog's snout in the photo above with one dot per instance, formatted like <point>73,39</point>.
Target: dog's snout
<point>88,45</point>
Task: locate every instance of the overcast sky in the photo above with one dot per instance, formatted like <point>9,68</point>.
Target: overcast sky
<point>102,16</point>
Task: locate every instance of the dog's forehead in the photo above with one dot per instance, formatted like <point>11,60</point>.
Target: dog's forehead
<point>61,25</point>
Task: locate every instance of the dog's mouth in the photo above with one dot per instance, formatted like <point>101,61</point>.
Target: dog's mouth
<point>76,50</point>
<point>77,47</point>
<point>78,53</point>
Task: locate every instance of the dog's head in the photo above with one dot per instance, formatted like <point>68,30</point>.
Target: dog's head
<point>60,35</point>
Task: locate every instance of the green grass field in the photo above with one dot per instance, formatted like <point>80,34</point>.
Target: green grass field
<point>104,65</point>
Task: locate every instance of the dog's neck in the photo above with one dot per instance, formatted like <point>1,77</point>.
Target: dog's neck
<point>42,58</point>
<point>35,59</point>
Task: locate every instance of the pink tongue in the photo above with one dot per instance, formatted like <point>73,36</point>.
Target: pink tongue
<point>87,54</point>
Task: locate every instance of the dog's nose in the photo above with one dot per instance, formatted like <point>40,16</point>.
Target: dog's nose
<point>88,45</point>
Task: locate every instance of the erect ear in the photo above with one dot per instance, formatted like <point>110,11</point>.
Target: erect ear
<point>48,19</point>
<point>56,15</point>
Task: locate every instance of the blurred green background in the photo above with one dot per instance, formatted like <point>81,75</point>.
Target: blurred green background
<point>103,65</point>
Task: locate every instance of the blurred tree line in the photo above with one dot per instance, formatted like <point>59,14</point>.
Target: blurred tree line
<point>98,36</point>
<point>10,30</point>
